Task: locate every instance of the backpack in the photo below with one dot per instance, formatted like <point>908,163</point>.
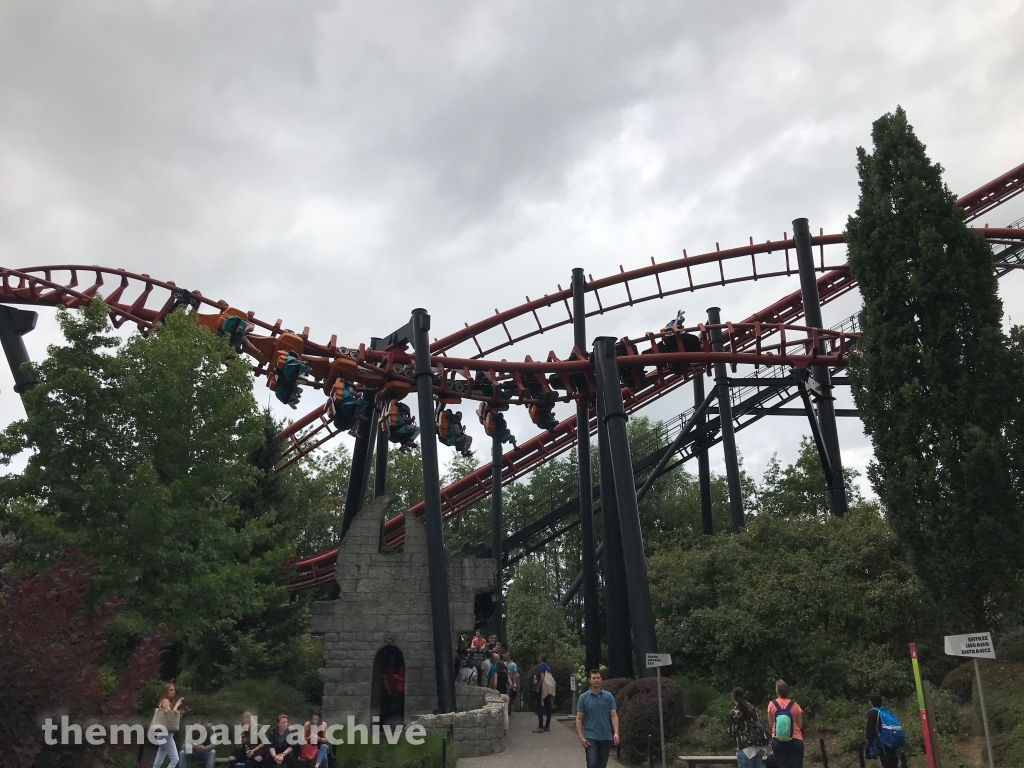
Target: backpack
<point>756,734</point>
<point>783,721</point>
<point>890,735</point>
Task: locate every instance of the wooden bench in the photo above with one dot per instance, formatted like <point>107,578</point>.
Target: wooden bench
<point>692,761</point>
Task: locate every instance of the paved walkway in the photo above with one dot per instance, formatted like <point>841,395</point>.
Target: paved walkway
<point>559,748</point>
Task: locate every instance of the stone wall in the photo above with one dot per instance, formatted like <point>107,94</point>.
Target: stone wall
<point>480,725</point>
<point>384,600</point>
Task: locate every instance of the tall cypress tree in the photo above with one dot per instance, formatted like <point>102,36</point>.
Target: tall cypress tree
<point>932,382</point>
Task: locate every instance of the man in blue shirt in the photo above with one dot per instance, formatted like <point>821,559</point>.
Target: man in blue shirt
<point>597,722</point>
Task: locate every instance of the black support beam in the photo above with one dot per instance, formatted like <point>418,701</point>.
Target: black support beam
<point>437,561</point>
<point>837,502</point>
<point>732,464</point>
<point>584,484</point>
<point>609,393</point>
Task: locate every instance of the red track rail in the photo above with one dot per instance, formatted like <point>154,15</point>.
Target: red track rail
<point>475,486</point>
<point>995,193</point>
<point>153,299</point>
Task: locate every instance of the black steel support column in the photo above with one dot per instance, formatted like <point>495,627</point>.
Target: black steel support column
<point>584,482</point>
<point>497,534</point>
<point>609,392</point>
<point>358,477</point>
<point>732,465</point>
<point>837,503</point>
<point>703,465</point>
<point>15,323</point>
<point>616,597</point>
<point>380,471</point>
<point>437,563</point>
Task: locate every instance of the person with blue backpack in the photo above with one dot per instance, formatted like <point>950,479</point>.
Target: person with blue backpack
<point>883,733</point>
<point>787,728</point>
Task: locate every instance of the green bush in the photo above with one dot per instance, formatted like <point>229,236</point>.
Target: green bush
<point>834,615</point>
<point>1005,706</point>
<point>711,729</point>
<point>959,683</point>
<point>615,684</point>
<point>265,698</point>
<point>638,715</point>
<point>696,696</point>
<point>401,755</point>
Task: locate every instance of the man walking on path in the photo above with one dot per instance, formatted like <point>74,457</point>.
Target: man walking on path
<point>544,688</point>
<point>597,722</point>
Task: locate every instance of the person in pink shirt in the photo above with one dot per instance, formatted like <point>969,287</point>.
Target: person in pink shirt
<point>787,728</point>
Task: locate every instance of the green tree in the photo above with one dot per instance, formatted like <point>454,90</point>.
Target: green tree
<point>799,489</point>
<point>138,454</point>
<point>931,380</point>
<point>534,624</point>
<point>314,496</point>
<point>826,603</point>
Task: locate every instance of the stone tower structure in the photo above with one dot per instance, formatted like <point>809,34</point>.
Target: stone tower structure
<point>383,605</point>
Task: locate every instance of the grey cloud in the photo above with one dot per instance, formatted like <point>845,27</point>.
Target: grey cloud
<point>335,164</point>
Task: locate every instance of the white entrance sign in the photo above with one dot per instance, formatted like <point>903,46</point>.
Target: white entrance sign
<point>657,661</point>
<point>976,645</point>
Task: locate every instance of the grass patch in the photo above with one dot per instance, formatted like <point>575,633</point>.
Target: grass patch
<point>401,755</point>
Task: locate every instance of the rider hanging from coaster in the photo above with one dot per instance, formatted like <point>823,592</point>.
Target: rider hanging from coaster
<point>451,432</point>
<point>348,409</point>
<point>237,328</point>
<point>676,322</point>
<point>494,424</point>
<point>398,423</point>
<point>543,415</point>
<point>287,377</point>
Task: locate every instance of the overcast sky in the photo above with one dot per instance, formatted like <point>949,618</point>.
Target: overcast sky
<point>335,165</point>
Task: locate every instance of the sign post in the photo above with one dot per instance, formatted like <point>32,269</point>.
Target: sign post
<point>976,646</point>
<point>657,661</point>
<point>572,688</point>
<point>925,730</point>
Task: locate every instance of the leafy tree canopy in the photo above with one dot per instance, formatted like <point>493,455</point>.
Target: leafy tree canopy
<point>139,459</point>
<point>934,381</point>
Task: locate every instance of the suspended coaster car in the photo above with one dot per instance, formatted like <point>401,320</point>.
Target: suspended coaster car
<point>495,426</point>
<point>451,432</point>
<point>346,407</point>
<point>399,425</point>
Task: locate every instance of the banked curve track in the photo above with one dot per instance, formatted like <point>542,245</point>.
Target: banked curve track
<point>144,301</point>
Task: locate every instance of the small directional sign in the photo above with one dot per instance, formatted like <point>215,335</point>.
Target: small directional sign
<point>658,660</point>
<point>977,645</point>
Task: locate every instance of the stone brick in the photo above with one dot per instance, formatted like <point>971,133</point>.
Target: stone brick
<point>385,599</point>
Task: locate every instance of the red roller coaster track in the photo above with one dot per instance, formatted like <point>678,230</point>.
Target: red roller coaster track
<point>144,301</point>
<point>834,283</point>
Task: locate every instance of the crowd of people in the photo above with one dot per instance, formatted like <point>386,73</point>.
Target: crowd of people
<point>249,752</point>
<point>482,661</point>
<point>883,733</point>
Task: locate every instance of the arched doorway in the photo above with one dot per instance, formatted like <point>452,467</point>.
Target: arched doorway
<point>387,697</point>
